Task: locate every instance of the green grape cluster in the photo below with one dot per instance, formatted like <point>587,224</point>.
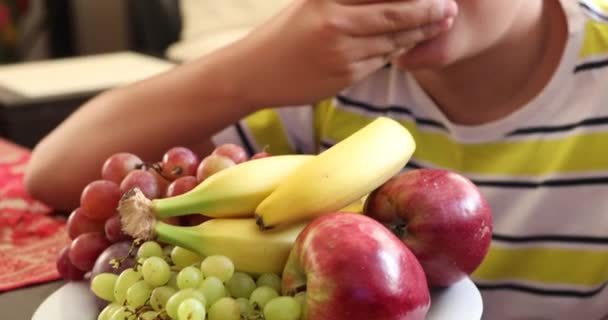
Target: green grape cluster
<point>172,283</point>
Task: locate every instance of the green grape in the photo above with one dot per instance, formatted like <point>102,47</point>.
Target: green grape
<point>270,280</point>
<point>191,309</point>
<point>172,280</point>
<point>225,309</point>
<point>189,277</point>
<point>138,294</point>
<point>178,297</point>
<point>213,289</point>
<point>159,297</point>
<point>149,249</point>
<point>282,308</point>
<point>261,295</point>
<point>125,280</point>
<point>182,257</point>
<point>107,312</point>
<point>149,315</point>
<point>102,285</point>
<point>167,251</point>
<point>156,271</point>
<point>218,266</point>
<point>123,313</point>
<point>241,285</point>
<point>301,298</point>
<point>244,305</point>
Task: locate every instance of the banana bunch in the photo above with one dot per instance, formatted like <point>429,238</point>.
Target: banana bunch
<point>261,206</point>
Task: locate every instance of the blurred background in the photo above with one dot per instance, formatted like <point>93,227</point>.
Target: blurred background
<point>43,29</point>
<point>56,54</point>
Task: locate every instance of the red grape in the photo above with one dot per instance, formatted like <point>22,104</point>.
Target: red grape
<point>85,249</point>
<point>117,166</point>
<point>259,155</point>
<point>99,199</point>
<point>144,180</point>
<point>193,219</point>
<point>113,230</point>
<point>119,251</point>
<point>181,186</point>
<point>232,151</point>
<point>79,223</point>
<point>178,162</point>
<point>211,164</point>
<point>65,267</point>
<point>172,220</point>
<point>161,181</point>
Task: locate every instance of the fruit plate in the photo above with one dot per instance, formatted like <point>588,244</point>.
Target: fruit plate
<point>73,301</point>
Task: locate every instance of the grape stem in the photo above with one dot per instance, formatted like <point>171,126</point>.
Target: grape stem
<point>158,167</point>
<point>136,215</point>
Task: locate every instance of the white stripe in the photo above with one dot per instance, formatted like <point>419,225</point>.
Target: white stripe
<point>298,123</point>
<point>515,305</point>
<point>564,211</point>
<point>227,135</point>
<point>595,10</point>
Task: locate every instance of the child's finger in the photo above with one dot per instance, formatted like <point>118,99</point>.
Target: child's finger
<point>382,45</point>
<point>392,17</point>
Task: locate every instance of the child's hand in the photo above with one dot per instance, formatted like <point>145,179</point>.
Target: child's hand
<point>315,48</point>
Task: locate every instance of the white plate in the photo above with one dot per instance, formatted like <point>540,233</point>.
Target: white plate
<point>74,301</point>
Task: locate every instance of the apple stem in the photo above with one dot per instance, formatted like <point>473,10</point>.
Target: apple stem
<point>397,227</point>
<point>296,290</point>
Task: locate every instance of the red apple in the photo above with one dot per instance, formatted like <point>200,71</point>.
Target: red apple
<point>354,268</point>
<point>441,216</point>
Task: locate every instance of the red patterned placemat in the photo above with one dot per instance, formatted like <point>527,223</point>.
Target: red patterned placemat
<point>30,239</point>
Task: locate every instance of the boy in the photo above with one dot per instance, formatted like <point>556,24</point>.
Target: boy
<point>512,94</point>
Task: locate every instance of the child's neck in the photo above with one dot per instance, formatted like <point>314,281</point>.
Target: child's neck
<point>488,86</point>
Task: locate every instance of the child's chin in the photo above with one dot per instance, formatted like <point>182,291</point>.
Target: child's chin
<point>432,54</point>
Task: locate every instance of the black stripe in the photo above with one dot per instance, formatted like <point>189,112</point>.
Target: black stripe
<point>395,109</point>
<point>566,127</point>
<point>543,292</point>
<point>591,65</point>
<point>243,136</point>
<point>528,184</point>
<point>599,14</point>
<point>545,183</point>
<point>550,238</point>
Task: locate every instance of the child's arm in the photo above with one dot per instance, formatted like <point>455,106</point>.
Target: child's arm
<point>309,51</point>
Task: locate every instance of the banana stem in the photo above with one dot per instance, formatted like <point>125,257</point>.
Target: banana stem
<point>179,205</point>
<point>136,216</point>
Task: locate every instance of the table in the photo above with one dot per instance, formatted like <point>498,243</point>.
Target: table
<point>20,304</point>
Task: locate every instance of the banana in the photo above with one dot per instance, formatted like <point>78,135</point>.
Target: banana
<point>355,207</point>
<point>251,250</point>
<point>340,175</point>
<point>232,192</point>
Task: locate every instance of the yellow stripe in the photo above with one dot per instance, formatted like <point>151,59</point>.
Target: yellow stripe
<point>575,153</point>
<point>542,265</point>
<point>268,131</point>
<point>322,113</point>
<point>596,39</point>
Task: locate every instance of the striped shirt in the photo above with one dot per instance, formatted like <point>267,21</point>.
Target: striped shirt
<point>543,169</point>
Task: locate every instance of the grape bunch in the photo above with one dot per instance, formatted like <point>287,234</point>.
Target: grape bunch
<point>94,227</point>
<point>174,283</point>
